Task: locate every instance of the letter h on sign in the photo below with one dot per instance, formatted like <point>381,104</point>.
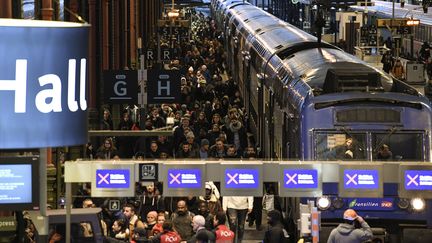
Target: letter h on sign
<point>163,86</point>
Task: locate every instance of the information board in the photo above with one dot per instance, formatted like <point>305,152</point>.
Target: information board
<point>241,179</point>
<point>184,178</point>
<point>180,179</point>
<point>300,180</point>
<point>363,180</point>
<point>415,180</point>
<point>19,183</point>
<point>113,180</point>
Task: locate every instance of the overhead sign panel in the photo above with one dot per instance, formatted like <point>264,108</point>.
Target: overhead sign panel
<point>180,179</point>
<point>361,179</point>
<point>184,178</point>
<point>241,179</point>
<point>403,22</point>
<point>121,86</point>
<point>364,180</point>
<point>300,180</point>
<point>163,87</point>
<point>415,180</point>
<point>418,179</point>
<point>148,172</point>
<point>113,180</point>
<point>43,84</point>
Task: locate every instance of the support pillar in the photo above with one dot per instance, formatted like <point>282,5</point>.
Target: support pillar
<point>47,10</point>
<point>6,9</point>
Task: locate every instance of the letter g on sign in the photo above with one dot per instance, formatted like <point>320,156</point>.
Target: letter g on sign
<point>120,88</point>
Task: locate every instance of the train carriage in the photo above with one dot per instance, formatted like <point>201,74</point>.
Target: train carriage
<point>305,99</point>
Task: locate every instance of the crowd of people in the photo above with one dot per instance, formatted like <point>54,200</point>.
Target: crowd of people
<point>209,123</point>
<point>395,67</point>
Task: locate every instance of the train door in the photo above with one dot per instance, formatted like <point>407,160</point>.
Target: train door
<point>245,86</point>
<point>268,123</point>
<point>236,68</point>
<point>290,136</point>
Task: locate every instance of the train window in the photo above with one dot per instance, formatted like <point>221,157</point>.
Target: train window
<point>340,146</point>
<point>402,146</point>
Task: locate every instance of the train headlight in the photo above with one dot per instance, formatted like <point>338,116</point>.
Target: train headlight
<point>323,203</point>
<point>338,203</point>
<point>418,204</point>
<point>403,203</point>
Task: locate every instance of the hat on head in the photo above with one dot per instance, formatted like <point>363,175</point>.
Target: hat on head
<point>350,214</point>
<point>205,142</point>
<point>207,185</point>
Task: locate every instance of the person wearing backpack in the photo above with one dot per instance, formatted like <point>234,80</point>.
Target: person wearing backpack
<point>276,231</point>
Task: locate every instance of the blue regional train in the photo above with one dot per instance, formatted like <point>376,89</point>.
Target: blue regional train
<point>309,101</point>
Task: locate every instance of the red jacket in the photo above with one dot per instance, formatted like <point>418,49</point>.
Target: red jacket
<point>170,237</point>
<point>224,234</point>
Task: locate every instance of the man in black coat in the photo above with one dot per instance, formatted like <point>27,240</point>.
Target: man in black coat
<point>276,231</point>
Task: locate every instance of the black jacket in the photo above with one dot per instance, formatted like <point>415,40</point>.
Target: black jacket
<point>276,233</point>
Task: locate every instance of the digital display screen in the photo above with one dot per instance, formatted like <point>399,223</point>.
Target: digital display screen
<point>418,179</point>
<point>108,178</point>
<point>184,178</point>
<point>361,179</point>
<point>241,178</point>
<point>300,178</point>
<point>16,183</point>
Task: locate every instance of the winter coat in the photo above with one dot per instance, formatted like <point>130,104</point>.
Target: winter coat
<point>347,233</point>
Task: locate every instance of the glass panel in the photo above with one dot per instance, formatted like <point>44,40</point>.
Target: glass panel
<point>340,146</point>
<point>398,147</point>
<point>82,232</point>
<point>28,8</point>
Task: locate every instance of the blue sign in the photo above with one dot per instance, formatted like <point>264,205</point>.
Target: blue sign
<point>361,179</point>
<point>16,183</point>
<point>43,84</point>
<point>184,178</point>
<point>418,179</point>
<point>119,178</point>
<point>371,204</point>
<point>241,178</point>
<point>300,178</point>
